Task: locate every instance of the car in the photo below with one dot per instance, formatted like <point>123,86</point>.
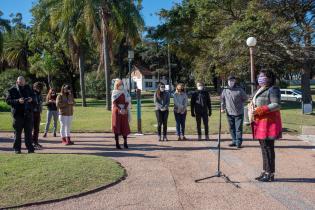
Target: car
<point>291,95</point>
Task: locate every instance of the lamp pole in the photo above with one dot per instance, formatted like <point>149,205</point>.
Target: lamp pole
<point>251,43</point>
<point>169,67</point>
<point>131,56</point>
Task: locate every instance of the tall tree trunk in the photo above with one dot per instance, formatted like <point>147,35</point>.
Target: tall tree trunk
<point>306,72</point>
<point>106,57</point>
<point>82,82</point>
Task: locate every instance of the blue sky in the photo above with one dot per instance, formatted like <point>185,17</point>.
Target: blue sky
<point>150,7</point>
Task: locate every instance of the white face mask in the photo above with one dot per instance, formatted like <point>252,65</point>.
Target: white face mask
<point>120,87</point>
<point>231,83</point>
<point>162,89</point>
<point>200,87</point>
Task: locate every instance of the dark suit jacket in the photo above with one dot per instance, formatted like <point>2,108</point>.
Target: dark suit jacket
<point>196,108</point>
<point>13,96</point>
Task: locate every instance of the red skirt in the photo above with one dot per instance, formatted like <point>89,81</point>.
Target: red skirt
<point>120,123</point>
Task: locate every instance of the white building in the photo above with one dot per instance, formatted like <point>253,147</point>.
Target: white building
<point>145,79</point>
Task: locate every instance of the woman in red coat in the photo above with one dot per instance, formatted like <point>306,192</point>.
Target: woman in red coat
<point>121,104</point>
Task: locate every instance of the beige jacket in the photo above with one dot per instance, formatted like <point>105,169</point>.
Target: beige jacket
<point>65,104</point>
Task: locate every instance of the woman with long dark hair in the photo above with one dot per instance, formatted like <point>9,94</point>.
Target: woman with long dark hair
<point>52,112</point>
<point>162,102</point>
<point>65,103</point>
<point>264,112</point>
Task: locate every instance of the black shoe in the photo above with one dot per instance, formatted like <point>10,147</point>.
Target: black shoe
<point>184,138</point>
<point>260,176</point>
<point>31,151</point>
<point>165,138</point>
<point>239,146</point>
<point>55,135</point>
<point>207,138</point>
<point>45,135</point>
<point>118,146</point>
<point>232,145</point>
<point>179,138</point>
<point>17,151</point>
<point>125,144</point>
<point>37,146</point>
<point>267,178</point>
<point>159,138</point>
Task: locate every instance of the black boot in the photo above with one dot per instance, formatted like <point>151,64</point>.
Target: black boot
<point>268,177</point>
<point>260,176</point>
<point>125,143</point>
<point>117,142</point>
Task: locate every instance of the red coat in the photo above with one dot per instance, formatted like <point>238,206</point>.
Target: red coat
<point>120,123</point>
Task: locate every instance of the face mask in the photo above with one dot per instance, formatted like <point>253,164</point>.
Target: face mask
<point>120,87</point>
<point>262,80</point>
<point>162,89</point>
<point>200,87</point>
<point>231,83</point>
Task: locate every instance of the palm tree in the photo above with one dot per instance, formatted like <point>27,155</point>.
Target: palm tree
<point>16,48</point>
<point>4,26</point>
<point>118,18</point>
<point>104,20</point>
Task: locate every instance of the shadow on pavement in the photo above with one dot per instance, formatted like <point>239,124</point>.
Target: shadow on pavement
<point>297,180</point>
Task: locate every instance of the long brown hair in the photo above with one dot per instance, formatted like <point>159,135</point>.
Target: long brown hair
<point>158,91</point>
<point>48,97</point>
<point>63,88</point>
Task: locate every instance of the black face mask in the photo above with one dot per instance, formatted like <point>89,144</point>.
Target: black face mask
<point>21,87</point>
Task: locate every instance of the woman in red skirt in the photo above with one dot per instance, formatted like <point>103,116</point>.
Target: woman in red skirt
<point>121,104</point>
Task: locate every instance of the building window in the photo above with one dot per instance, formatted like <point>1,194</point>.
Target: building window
<point>148,77</point>
<point>148,84</point>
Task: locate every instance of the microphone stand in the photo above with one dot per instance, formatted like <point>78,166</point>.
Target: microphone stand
<point>219,173</point>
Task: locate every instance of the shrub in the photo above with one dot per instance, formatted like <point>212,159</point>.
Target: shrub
<point>4,107</point>
<point>95,85</point>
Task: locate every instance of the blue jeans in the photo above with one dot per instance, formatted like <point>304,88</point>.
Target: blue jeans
<point>51,114</point>
<point>236,128</point>
<point>180,123</point>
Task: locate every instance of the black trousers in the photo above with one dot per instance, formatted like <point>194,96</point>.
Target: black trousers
<point>205,119</point>
<point>268,155</point>
<point>19,123</point>
<point>36,120</point>
<point>161,118</point>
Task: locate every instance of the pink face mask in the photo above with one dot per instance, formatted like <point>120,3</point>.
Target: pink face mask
<point>262,80</point>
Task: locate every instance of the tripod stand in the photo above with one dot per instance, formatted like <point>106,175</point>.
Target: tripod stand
<point>219,173</point>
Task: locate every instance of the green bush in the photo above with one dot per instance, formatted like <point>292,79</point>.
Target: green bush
<point>8,79</point>
<point>95,85</point>
<point>4,107</point>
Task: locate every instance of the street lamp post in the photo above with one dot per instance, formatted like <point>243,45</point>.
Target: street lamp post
<point>131,55</point>
<point>169,67</point>
<point>251,43</point>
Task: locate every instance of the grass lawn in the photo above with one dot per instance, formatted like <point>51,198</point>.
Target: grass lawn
<point>39,177</point>
<point>95,118</point>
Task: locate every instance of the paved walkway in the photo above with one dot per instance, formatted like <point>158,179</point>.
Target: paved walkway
<point>161,174</point>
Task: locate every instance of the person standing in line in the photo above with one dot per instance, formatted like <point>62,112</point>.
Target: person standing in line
<point>232,102</point>
<point>180,110</point>
<point>65,103</point>
<point>121,104</point>
<point>52,112</point>
<point>37,110</point>
<point>266,122</point>
<point>201,109</point>
<point>162,102</point>
<point>20,97</point>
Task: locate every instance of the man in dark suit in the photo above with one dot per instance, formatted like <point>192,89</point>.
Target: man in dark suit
<point>20,97</point>
<point>201,109</point>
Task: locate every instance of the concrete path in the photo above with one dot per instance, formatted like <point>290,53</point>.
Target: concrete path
<point>161,174</point>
